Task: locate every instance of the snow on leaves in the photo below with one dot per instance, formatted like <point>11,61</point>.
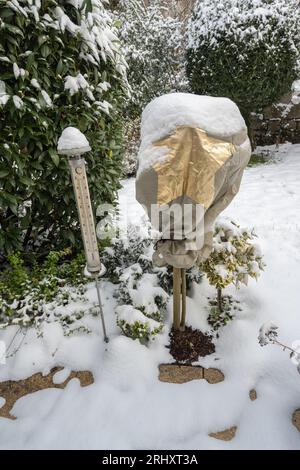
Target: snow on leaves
<point>98,43</point>
<point>243,20</point>
<point>267,333</point>
<point>152,43</point>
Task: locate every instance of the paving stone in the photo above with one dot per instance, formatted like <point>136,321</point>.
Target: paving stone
<point>226,435</point>
<point>177,373</point>
<point>296,419</point>
<point>12,390</point>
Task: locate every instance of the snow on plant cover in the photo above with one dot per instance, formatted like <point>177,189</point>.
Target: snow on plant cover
<point>219,117</point>
<point>61,65</point>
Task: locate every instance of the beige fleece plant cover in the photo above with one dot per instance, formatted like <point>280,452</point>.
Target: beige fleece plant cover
<point>193,153</point>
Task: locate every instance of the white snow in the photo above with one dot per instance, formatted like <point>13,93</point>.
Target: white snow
<point>35,83</point>
<point>72,139</point>
<point>267,332</point>
<point>16,70</point>
<point>127,407</point>
<point>74,84</point>
<point>220,117</point>
<point>46,98</point>
<point>18,102</point>
<point>131,315</point>
<point>221,271</point>
<point>296,86</point>
<point>61,376</point>
<point>3,95</point>
<point>296,92</point>
<point>217,116</point>
<point>234,20</point>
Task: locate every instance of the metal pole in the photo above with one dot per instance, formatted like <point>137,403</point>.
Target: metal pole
<point>83,203</point>
<point>106,339</point>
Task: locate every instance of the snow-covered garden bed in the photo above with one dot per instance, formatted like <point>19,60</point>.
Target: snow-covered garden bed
<point>127,406</point>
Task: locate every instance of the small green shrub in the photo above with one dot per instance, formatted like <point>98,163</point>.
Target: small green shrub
<point>29,297</point>
<point>136,325</point>
<point>218,319</point>
<point>235,257</point>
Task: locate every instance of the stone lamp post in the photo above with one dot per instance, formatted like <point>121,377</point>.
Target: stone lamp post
<point>73,144</point>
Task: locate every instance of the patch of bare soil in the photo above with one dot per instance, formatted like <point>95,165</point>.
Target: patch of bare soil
<point>188,345</point>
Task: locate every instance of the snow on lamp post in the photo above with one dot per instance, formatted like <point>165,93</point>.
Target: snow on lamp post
<point>74,144</point>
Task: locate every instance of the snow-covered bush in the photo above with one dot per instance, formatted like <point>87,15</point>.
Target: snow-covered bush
<point>141,286</point>
<point>235,257</point>
<point>135,324</point>
<point>125,252</point>
<point>61,65</point>
<point>246,50</point>
<point>131,143</point>
<point>142,301</point>
<point>137,249</point>
<point>153,47</point>
<point>32,297</point>
<point>141,289</point>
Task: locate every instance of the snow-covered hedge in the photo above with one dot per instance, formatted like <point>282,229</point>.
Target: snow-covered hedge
<point>152,43</point>
<point>60,65</point>
<point>246,50</point>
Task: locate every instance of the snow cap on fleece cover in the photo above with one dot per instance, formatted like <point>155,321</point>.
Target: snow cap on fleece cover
<point>193,153</point>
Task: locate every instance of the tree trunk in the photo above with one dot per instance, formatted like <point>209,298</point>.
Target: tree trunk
<point>176,297</point>
<point>183,299</point>
<point>220,303</point>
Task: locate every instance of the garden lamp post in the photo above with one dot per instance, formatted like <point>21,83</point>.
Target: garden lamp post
<point>74,144</point>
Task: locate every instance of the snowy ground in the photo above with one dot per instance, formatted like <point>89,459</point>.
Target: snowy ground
<point>127,407</point>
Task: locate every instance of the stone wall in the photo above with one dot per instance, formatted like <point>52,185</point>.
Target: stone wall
<point>278,123</point>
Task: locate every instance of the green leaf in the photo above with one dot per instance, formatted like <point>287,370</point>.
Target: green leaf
<point>54,156</point>
<point>26,180</point>
<point>88,6</point>
<point>59,67</point>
